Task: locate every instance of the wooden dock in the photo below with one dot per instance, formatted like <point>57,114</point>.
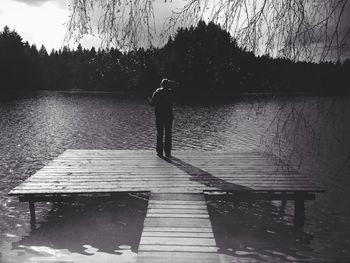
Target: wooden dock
<point>177,225</point>
<point>177,228</point>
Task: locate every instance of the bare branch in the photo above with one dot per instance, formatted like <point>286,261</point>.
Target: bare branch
<point>294,29</point>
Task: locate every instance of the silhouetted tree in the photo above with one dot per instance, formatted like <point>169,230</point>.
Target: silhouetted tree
<point>204,58</point>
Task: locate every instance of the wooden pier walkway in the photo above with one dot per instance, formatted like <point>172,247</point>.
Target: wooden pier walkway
<point>177,228</point>
<point>177,225</point>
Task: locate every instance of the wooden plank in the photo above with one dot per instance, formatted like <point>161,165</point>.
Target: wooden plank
<point>170,210</point>
<point>159,168</point>
<point>176,234</point>
<point>160,183</point>
<point>126,183</point>
<point>177,206</point>
<point>177,215</point>
<point>126,190</point>
<point>152,155</point>
<point>110,184</point>
<point>143,164</point>
<point>176,257</point>
<point>198,229</point>
<point>155,189</point>
<point>148,169</point>
<point>102,190</point>
<point>218,174</point>
<point>155,159</point>
<point>163,188</point>
<point>178,241</point>
<point>195,167</point>
<point>176,199</point>
<point>173,202</point>
<point>174,248</point>
<point>162,176</point>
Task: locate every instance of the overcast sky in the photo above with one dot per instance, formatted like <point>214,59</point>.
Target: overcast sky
<point>42,21</point>
<point>37,21</point>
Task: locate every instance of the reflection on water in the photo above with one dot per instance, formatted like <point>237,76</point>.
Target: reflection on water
<point>47,254</point>
<point>311,133</point>
<point>90,229</point>
<point>259,231</point>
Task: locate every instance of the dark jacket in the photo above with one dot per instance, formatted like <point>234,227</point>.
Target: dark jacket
<point>163,104</point>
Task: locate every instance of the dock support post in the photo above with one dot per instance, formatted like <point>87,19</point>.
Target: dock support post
<point>32,215</point>
<point>282,208</point>
<point>299,212</point>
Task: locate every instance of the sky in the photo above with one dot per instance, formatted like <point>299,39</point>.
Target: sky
<point>37,21</point>
<point>43,21</point>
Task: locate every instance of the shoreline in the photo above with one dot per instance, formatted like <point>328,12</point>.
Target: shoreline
<point>200,96</point>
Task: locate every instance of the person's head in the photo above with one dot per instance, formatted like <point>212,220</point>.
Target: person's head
<point>165,84</point>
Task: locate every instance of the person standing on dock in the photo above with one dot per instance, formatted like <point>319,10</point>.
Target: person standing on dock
<point>163,106</point>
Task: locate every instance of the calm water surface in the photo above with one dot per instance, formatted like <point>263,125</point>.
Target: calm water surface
<point>313,134</point>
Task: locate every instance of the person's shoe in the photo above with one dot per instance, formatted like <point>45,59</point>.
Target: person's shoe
<point>168,155</point>
<point>160,155</point>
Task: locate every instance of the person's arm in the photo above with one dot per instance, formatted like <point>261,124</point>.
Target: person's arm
<point>152,101</point>
<point>173,83</point>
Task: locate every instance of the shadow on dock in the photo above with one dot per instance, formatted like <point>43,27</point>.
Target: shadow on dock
<point>204,177</point>
<point>257,230</point>
<point>107,225</point>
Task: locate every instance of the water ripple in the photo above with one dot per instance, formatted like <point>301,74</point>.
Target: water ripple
<point>36,128</point>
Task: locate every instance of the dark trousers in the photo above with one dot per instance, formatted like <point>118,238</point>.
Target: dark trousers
<point>164,143</point>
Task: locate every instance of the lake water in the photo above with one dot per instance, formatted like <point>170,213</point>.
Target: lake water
<point>312,134</point>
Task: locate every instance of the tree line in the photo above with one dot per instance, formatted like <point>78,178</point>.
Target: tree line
<point>204,58</point>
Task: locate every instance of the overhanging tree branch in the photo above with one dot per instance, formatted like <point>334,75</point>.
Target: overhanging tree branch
<point>294,29</point>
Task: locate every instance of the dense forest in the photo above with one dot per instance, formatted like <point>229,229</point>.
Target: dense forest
<point>205,59</point>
